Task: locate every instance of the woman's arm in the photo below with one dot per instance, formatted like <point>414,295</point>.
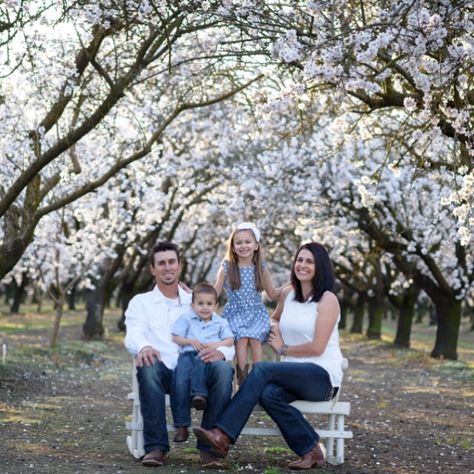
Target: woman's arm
<point>219,284</point>
<point>328,311</point>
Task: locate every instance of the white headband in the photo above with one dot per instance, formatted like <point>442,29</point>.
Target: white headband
<point>250,226</point>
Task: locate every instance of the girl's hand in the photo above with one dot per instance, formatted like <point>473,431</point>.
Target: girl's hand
<point>274,326</point>
<point>185,287</point>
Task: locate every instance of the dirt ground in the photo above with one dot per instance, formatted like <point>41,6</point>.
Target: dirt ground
<point>64,411</point>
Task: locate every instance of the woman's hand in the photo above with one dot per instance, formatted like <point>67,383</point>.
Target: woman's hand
<point>275,341</point>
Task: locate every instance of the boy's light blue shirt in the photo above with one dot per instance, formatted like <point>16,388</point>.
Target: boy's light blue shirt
<point>191,326</point>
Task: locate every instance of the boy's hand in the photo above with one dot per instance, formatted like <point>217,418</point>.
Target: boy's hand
<point>197,345</point>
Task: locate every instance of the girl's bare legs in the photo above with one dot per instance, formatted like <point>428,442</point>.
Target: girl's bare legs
<point>241,352</point>
<point>256,348</point>
<point>242,358</point>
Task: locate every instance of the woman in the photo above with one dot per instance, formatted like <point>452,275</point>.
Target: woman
<point>305,334</point>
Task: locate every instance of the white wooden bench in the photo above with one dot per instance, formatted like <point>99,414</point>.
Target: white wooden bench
<point>334,434</point>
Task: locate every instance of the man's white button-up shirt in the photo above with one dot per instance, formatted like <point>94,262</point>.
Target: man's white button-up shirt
<point>149,319</point>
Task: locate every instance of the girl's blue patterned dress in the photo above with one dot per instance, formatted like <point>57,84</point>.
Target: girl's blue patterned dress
<point>244,310</point>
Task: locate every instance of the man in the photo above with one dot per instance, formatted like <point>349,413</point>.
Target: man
<point>148,319</point>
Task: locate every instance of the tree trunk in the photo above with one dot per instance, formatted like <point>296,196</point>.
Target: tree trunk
<point>405,318</point>
<point>59,305</point>
<point>93,327</point>
<point>448,312</point>
<point>343,320</point>
<point>358,321</point>
<point>406,313</point>
<point>71,298</point>
<point>18,294</point>
<point>376,311</point>
<point>126,294</point>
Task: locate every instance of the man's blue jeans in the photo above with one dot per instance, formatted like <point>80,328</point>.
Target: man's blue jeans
<point>155,381</point>
<point>275,385</point>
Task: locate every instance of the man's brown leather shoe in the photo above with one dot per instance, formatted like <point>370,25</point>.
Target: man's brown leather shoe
<point>215,438</point>
<point>181,435</point>
<point>154,458</point>
<point>210,461</point>
<point>199,402</point>
<point>313,458</point>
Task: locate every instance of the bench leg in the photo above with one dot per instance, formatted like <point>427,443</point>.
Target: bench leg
<point>340,441</point>
<point>330,441</point>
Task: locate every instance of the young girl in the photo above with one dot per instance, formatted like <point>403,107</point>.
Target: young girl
<point>244,275</point>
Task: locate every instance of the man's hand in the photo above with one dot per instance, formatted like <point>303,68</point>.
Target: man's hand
<point>211,355</point>
<point>147,356</point>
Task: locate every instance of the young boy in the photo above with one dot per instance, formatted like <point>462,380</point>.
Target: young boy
<point>200,329</point>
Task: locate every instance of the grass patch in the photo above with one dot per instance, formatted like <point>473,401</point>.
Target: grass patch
<point>277,450</point>
<point>190,450</point>
<point>382,403</point>
<point>272,470</point>
<point>462,443</point>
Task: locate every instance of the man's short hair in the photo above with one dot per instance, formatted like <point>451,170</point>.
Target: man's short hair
<point>204,288</point>
<point>163,247</point>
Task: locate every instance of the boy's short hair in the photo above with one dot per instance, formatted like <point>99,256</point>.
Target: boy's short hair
<point>205,288</point>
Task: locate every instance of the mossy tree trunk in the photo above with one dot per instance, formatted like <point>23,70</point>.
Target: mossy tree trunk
<point>376,312</point>
<point>359,311</point>
<point>18,293</point>
<point>93,327</point>
<point>59,306</point>
<point>448,312</point>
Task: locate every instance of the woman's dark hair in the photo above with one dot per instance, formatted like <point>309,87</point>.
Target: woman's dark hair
<point>323,279</point>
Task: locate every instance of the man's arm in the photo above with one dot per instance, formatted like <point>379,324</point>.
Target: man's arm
<point>137,328</point>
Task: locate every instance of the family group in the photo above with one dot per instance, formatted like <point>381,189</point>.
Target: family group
<point>182,347</point>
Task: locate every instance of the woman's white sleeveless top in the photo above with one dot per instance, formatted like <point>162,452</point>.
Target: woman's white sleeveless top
<point>297,325</point>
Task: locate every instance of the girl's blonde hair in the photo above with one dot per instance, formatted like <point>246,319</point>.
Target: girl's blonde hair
<point>233,272</point>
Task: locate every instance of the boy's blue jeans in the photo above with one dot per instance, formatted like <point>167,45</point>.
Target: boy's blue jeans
<point>275,385</point>
<point>194,377</point>
<point>190,378</point>
<point>155,381</point>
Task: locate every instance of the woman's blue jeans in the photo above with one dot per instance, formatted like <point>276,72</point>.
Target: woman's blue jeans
<point>155,381</point>
<point>275,385</point>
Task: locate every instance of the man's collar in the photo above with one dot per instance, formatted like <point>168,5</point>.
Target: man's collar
<point>159,297</point>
